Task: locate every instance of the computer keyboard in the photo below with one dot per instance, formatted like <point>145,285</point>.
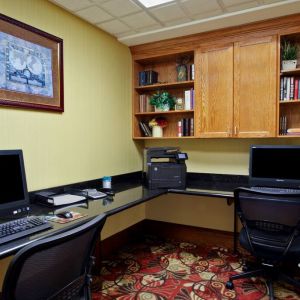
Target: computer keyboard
<point>276,190</point>
<point>18,228</point>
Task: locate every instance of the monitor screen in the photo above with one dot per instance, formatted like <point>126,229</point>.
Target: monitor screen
<point>13,188</point>
<point>276,166</point>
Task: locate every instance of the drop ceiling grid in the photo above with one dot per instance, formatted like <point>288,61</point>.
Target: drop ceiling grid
<point>123,18</point>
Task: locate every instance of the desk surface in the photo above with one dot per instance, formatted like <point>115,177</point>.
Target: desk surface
<point>122,200</point>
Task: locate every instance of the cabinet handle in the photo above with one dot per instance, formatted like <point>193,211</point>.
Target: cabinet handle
<point>235,130</point>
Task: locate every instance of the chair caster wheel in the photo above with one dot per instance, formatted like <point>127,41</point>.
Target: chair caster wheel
<point>245,268</point>
<point>229,285</point>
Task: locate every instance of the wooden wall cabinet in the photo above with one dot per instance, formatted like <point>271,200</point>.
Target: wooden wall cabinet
<point>238,86</point>
<point>215,92</point>
<point>237,91</point>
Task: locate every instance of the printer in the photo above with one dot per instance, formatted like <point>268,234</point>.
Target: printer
<point>165,167</point>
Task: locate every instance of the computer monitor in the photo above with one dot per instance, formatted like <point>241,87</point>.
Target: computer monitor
<point>14,199</point>
<point>274,166</point>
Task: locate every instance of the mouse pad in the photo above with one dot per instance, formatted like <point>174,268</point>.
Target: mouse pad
<point>56,219</point>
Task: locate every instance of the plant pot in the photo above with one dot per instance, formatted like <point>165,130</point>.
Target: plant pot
<point>289,64</point>
<point>165,107</point>
<point>157,131</point>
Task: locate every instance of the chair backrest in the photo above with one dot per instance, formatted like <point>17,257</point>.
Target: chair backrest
<point>271,220</point>
<point>56,267</point>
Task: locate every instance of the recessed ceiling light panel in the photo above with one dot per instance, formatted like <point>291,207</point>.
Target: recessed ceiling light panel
<point>150,3</point>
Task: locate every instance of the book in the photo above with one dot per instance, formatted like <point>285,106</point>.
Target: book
<point>288,88</point>
<point>147,128</point>
<point>187,100</point>
<point>144,131</point>
<point>284,88</point>
<point>292,88</point>
<point>179,128</point>
<point>192,72</point>
<point>281,88</point>
<point>296,86</point>
<point>293,130</point>
<point>192,127</point>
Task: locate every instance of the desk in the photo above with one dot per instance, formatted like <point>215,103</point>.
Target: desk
<point>124,199</point>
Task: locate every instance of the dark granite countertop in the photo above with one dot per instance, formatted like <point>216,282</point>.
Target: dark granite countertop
<point>129,192</point>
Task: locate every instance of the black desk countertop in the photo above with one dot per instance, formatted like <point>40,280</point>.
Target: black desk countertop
<point>126,196</point>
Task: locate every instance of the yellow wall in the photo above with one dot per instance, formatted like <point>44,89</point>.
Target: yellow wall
<point>221,156</point>
<point>92,138</point>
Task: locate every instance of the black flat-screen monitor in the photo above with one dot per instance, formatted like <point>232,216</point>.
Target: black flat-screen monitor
<point>274,166</point>
<point>14,199</point>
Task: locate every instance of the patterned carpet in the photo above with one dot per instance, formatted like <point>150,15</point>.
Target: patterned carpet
<point>157,270</point>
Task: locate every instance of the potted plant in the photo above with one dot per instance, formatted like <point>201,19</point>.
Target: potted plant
<point>157,124</point>
<point>288,55</point>
<point>162,101</point>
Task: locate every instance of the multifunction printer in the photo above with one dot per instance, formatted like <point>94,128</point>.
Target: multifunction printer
<point>165,167</point>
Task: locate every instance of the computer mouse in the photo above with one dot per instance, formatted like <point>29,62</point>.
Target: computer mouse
<point>65,215</point>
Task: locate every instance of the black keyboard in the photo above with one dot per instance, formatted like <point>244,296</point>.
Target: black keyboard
<point>18,228</point>
<point>275,190</point>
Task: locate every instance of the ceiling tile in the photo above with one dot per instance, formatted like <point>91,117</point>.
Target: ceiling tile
<point>120,7</point>
<point>178,22</point>
<point>242,6</point>
<point>168,12</point>
<point>73,4</point>
<point>98,1</point>
<point>271,1</point>
<point>127,33</point>
<point>114,26</point>
<point>94,14</point>
<point>234,2</point>
<point>198,7</point>
<point>208,14</point>
<point>149,28</point>
<point>139,20</point>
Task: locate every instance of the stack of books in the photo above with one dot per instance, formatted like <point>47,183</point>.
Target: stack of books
<point>145,105</point>
<point>283,125</point>
<point>147,77</point>
<point>185,127</point>
<point>146,131</point>
<point>293,131</point>
<point>289,88</point>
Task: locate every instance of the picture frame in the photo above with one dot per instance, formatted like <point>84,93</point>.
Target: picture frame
<point>31,67</point>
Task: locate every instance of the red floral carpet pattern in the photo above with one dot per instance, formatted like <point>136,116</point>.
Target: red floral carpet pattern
<point>159,270</point>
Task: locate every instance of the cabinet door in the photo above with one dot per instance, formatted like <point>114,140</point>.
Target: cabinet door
<point>215,91</point>
<point>255,87</point>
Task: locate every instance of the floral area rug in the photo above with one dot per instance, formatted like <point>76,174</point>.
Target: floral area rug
<point>154,269</point>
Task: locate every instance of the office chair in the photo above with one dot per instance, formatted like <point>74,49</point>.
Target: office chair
<point>270,233</point>
<point>54,268</point>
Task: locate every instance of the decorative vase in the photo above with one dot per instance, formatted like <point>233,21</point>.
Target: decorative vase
<point>157,131</point>
<point>289,64</point>
<point>165,107</point>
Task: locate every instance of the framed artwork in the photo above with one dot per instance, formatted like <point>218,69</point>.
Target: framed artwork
<point>31,67</point>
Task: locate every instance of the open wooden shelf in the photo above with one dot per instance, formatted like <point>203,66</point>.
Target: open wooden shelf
<point>170,112</point>
<point>157,86</point>
<point>297,101</point>
<point>290,72</point>
<point>163,138</point>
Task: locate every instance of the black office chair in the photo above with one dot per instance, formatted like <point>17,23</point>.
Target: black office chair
<point>270,232</point>
<point>54,268</point>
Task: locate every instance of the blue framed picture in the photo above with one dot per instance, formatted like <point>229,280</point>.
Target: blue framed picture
<point>31,67</point>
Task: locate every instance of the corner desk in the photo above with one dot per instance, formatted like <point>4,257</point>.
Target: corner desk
<point>126,196</point>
